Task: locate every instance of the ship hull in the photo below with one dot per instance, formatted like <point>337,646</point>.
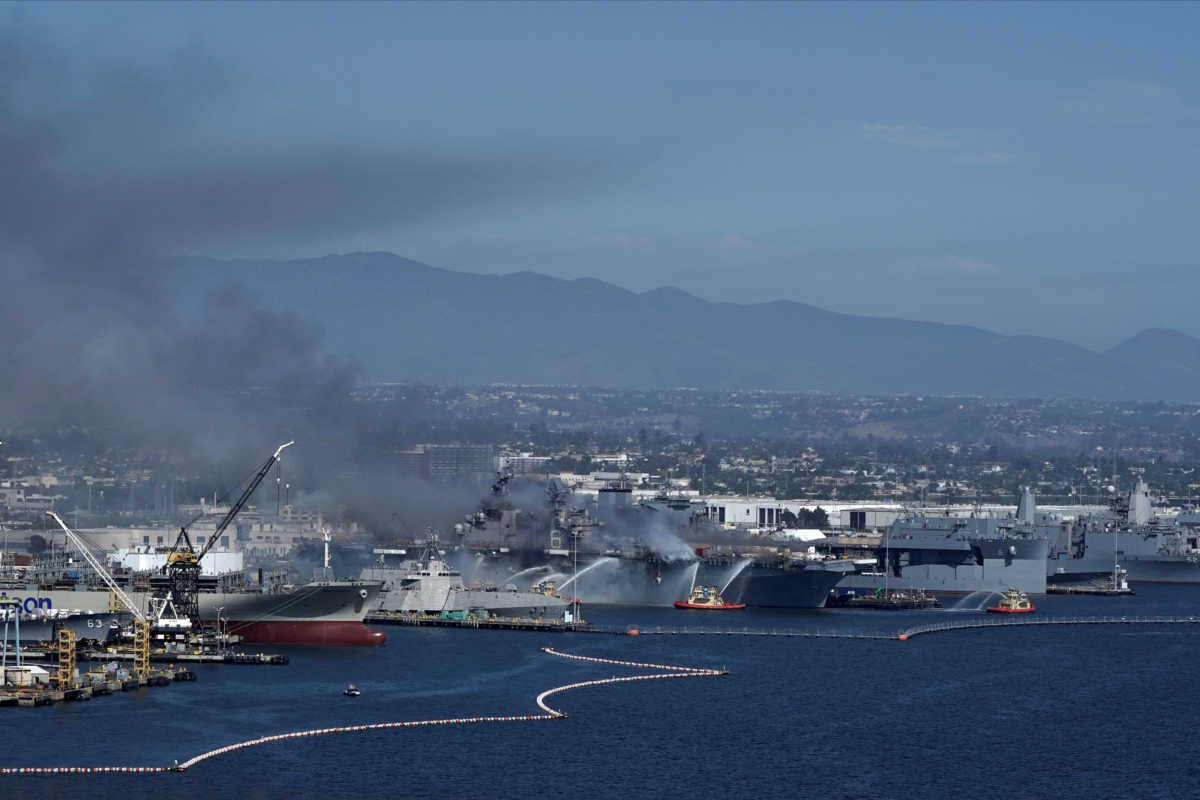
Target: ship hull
<point>1146,569</point>
<point>606,580</point>
<point>995,565</point>
<point>307,633</point>
<point>316,613</point>
<point>762,586</point>
<point>98,626</point>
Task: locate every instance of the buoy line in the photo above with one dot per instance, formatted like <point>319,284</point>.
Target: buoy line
<point>668,671</point>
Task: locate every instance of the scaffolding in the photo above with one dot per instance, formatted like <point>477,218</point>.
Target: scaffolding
<point>64,676</point>
<point>141,648</point>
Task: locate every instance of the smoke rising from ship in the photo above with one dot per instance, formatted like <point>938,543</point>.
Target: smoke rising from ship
<point>111,170</point>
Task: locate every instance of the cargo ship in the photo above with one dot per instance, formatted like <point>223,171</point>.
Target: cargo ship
<point>323,612</point>
<point>270,611</point>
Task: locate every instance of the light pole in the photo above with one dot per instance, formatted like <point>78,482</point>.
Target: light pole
<point>220,637</point>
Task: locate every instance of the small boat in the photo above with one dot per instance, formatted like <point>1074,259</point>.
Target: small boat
<point>707,598</point>
<point>1013,602</point>
<point>351,691</point>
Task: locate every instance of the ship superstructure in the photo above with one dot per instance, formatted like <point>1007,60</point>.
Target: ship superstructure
<point>1128,537</point>
<point>428,584</point>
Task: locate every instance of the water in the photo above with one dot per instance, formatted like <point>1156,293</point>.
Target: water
<point>1022,712</point>
<point>597,563</point>
<point>975,601</point>
<point>735,571</point>
<point>530,570</point>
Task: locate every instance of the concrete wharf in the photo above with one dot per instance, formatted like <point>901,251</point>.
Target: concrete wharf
<point>42,696</point>
<point>1028,622</point>
<point>478,623</point>
<point>220,657</point>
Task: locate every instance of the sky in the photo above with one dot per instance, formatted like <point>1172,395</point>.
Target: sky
<point>1026,168</point>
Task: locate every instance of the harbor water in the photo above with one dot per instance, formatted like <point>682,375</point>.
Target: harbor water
<point>1056,712</point>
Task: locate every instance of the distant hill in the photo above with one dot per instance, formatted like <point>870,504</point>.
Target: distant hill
<point>404,320</point>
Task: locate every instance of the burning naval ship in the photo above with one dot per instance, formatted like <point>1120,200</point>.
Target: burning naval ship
<point>627,554</point>
<point>1127,537</point>
<point>603,558</point>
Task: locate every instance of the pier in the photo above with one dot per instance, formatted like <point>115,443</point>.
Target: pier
<point>1027,622</point>
<point>477,623</point>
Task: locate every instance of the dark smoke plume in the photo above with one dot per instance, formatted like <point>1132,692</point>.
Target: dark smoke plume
<point>111,170</point>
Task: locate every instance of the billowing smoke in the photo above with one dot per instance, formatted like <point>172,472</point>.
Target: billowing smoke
<point>110,172</point>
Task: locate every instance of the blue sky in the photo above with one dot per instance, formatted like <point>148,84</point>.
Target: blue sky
<point>1028,168</point>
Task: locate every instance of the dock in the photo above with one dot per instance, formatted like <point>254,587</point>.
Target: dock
<point>201,657</point>
<point>1028,622</point>
<point>478,623</point>
<point>48,695</point>
<point>1087,588</point>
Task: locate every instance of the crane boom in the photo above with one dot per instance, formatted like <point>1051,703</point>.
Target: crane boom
<point>183,563</point>
<point>108,579</point>
<point>241,501</point>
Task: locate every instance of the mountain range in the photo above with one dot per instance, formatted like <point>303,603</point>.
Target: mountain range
<point>407,321</point>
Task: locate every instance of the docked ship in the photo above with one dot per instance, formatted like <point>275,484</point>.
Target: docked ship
<point>1127,537</point>
<point>42,625</point>
<point>768,577</point>
<point>595,558</point>
<point>271,612</point>
<point>957,555</point>
<point>428,584</point>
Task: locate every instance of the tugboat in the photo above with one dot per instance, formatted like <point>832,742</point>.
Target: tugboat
<point>1013,602</point>
<point>706,598</point>
<point>351,691</point>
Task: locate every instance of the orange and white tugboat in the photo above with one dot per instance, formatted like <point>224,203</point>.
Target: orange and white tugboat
<point>706,598</point>
<point>1013,602</point>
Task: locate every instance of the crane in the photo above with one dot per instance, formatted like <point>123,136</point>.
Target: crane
<point>183,561</point>
<point>104,574</point>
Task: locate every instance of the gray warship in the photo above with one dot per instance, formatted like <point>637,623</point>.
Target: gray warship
<point>960,555</point>
<point>635,554</point>
<point>429,585</point>
<point>1129,537</point>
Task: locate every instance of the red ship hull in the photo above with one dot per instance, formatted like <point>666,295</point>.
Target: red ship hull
<point>1003,610</point>
<point>724,607</point>
<point>307,632</point>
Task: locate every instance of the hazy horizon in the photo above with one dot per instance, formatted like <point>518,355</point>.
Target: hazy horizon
<point>1025,169</point>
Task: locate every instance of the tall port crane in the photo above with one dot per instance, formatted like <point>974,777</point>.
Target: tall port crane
<point>183,561</point>
<point>99,569</point>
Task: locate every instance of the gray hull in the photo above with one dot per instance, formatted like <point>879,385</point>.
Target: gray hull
<point>782,587</point>
<point>1159,569</point>
<point>85,626</point>
<point>976,565</point>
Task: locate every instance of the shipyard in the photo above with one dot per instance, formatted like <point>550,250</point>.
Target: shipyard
<point>602,400</point>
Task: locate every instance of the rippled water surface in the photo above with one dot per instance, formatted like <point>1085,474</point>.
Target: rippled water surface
<point>1056,712</point>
